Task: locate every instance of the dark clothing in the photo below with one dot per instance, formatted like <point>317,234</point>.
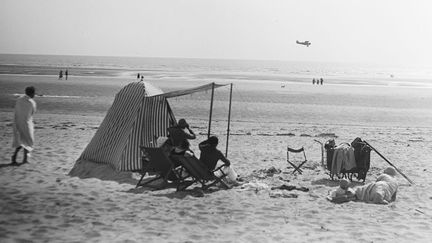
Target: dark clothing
<point>182,153</point>
<point>178,136</point>
<point>210,155</point>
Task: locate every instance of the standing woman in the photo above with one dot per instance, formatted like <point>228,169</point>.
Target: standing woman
<point>23,126</point>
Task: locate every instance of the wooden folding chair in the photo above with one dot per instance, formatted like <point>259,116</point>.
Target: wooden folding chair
<point>156,161</point>
<point>198,172</point>
<point>296,167</point>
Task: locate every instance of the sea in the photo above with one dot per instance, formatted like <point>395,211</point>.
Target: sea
<point>216,69</point>
<point>265,92</point>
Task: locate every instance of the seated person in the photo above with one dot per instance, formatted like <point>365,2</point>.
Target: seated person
<point>210,156</point>
<point>382,191</point>
<point>343,193</point>
<point>163,143</point>
<point>183,149</point>
<point>180,133</point>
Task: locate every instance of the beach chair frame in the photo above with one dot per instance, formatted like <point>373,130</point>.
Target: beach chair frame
<point>156,161</point>
<point>198,173</point>
<point>297,168</point>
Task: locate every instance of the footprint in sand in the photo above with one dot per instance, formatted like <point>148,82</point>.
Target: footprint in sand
<point>76,220</point>
<point>19,240</point>
<point>92,234</point>
<point>96,223</point>
<point>48,216</point>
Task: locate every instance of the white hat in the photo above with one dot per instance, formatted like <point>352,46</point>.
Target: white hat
<point>390,171</point>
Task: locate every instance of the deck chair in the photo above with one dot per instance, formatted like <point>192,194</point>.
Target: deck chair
<point>291,162</point>
<point>156,161</point>
<point>198,172</point>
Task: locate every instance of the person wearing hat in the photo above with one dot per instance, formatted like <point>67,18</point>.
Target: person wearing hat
<point>23,127</point>
<point>180,134</point>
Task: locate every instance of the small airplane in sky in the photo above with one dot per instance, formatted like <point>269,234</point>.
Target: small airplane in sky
<point>306,43</point>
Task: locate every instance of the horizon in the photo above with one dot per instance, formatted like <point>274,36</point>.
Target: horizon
<point>340,31</point>
<point>229,59</point>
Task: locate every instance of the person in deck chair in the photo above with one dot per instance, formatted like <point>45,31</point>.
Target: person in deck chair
<point>210,156</point>
<point>180,133</point>
<point>183,149</point>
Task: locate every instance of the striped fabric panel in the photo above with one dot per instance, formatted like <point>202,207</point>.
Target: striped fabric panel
<point>153,120</point>
<point>130,157</point>
<point>108,143</point>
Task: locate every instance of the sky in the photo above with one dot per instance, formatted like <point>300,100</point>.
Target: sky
<point>366,31</point>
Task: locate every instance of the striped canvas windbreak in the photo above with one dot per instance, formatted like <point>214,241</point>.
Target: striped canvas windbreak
<point>152,122</point>
<point>136,118</point>
<point>132,120</point>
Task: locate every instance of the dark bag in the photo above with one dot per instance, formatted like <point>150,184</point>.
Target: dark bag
<point>362,157</point>
<point>329,147</point>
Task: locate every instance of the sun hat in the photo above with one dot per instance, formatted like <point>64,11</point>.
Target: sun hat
<point>390,171</point>
<point>344,183</point>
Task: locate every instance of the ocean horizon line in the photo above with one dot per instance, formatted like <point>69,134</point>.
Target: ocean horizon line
<point>212,59</point>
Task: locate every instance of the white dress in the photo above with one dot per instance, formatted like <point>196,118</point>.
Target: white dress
<point>23,126</point>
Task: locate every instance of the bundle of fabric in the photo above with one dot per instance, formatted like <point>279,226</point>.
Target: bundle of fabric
<point>343,159</point>
<point>382,191</point>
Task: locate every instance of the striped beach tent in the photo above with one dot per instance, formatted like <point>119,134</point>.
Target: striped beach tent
<point>139,115</point>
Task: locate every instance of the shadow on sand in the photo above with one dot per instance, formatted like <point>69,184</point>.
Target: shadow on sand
<point>334,183</point>
<point>12,165</point>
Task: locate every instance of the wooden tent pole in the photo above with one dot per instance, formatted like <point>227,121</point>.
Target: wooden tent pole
<point>229,121</point>
<point>211,110</point>
<point>382,156</point>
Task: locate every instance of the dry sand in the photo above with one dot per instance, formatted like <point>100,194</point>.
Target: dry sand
<point>39,202</point>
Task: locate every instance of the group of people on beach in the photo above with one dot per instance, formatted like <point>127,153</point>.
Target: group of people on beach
<point>381,191</point>
<point>140,77</point>
<point>318,81</point>
<point>23,128</point>
<point>65,74</point>
<point>178,144</point>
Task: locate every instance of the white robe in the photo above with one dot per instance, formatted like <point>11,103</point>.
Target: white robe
<point>23,126</point>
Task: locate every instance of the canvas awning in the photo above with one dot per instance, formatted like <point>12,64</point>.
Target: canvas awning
<point>192,90</point>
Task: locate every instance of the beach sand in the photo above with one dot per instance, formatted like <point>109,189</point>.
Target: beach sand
<point>39,202</point>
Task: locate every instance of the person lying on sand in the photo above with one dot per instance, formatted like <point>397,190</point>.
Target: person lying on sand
<point>343,193</point>
<point>382,191</point>
<point>343,189</point>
